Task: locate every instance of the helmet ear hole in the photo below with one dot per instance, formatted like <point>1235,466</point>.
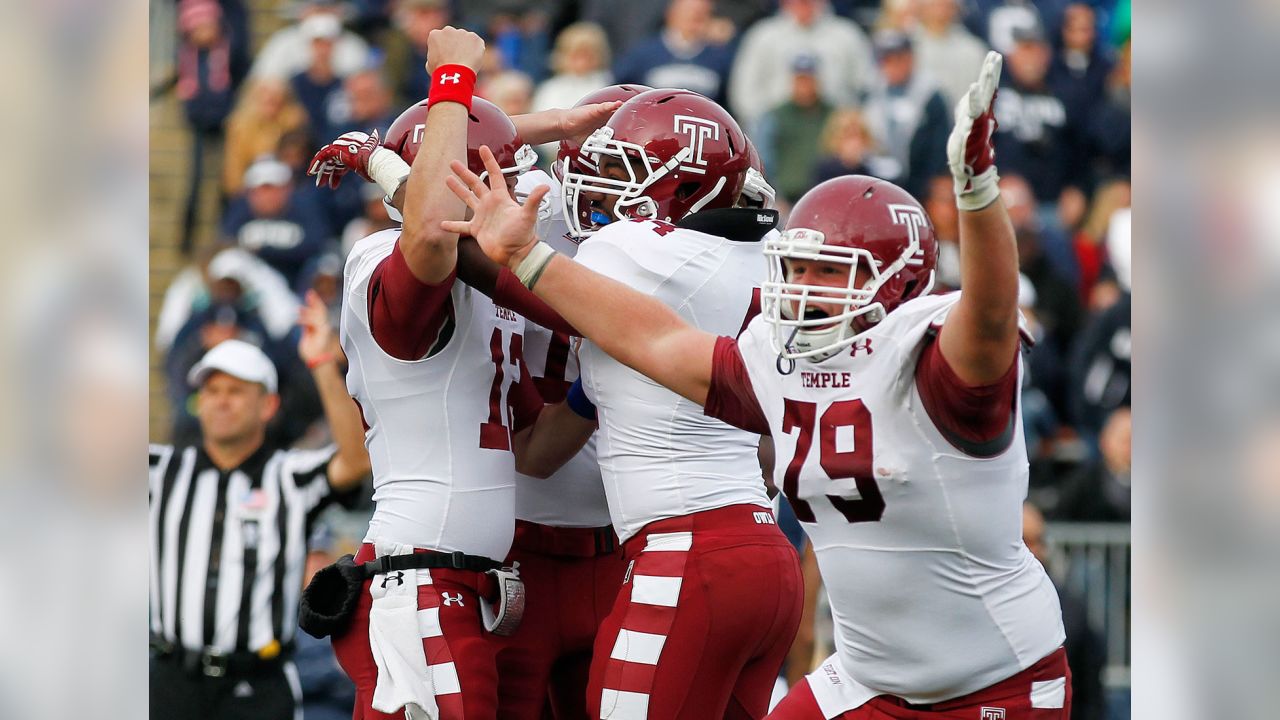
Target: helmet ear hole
<point>685,190</point>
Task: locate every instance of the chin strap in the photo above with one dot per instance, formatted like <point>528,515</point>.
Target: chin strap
<point>787,346</point>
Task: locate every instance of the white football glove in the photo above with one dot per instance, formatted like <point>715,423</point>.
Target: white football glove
<point>970,154</point>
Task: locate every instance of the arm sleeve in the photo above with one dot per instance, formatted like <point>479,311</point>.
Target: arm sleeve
<point>407,317</point>
<point>977,419</point>
<point>514,296</point>
<point>731,398</point>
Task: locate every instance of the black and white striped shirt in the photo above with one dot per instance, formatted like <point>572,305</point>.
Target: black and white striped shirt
<point>228,547</point>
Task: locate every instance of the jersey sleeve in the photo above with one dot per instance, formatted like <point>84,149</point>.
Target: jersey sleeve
<point>731,398</point>
<point>514,296</point>
<point>977,419</point>
<point>613,252</point>
<point>408,317</point>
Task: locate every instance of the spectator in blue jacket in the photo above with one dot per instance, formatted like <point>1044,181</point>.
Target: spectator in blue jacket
<point>1035,138</point>
<point>683,54</point>
<point>283,227</point>
<point>1081,64</point>
<point>319,86</point>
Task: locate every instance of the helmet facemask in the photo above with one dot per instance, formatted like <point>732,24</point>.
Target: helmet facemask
<point>800,332</point>
<point>642,172</point>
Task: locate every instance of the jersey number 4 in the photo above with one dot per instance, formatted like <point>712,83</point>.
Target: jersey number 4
<point>838,465</point>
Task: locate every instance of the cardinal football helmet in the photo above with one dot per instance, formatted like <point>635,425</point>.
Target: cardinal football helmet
<point>858,221</point>
<point>680,153</point>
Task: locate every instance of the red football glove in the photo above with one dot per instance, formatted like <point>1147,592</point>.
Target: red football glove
<point>970,154</point>
<point>351,151</point>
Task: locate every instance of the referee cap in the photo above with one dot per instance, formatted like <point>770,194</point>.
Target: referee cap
<point>236,358</point>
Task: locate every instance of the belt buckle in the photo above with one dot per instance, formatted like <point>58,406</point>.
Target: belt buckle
<point>213,664</point>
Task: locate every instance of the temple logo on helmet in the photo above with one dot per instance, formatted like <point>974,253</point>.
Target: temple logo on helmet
<point>698,131</point>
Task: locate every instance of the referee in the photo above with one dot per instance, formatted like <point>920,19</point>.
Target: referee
<point>229,525</point>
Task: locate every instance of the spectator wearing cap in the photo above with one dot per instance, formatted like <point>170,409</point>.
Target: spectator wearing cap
<point>682,54</point>
<point>231,512</point>
<point>944,49</point>
<point>212,62</point>
<point>907,112</point>
<point>1036,137</point>
<point>266,112</point>
<point>288,51</point>
<point>406,47</point>
<point>281,226</point>
<point>791,133</point>
<point>319,86</point>
<point>229,314</point>
<point>762,72</point>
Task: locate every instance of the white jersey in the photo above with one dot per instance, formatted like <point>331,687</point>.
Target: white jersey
<point>438,436</point>
<point>660,456</point>
<point>932,591</point>
<point>574,495</point>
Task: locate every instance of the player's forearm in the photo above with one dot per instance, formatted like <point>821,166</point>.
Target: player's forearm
<point>557,435</point>
<point>980,335</point>
<point>351,462</point>
<point>637,330</point>
<point>540,127</point>
<point>430,251</point>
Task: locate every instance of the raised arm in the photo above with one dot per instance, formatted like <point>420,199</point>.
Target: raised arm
<point>319,349</point>
<point>635,329</point>
<point>430,251</point>
<point>979,339</point>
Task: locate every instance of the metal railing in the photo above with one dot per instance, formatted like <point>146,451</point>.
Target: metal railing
<point>1093,562</point>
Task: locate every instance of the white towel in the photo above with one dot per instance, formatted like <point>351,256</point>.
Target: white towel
<point>404,680</point>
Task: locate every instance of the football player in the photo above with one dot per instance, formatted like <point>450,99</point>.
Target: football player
<point>895,420</point>
<point>564,546</point>
<point>712,597</point>
<point>437,369</point>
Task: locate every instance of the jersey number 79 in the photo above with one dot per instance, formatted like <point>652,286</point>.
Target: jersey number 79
<point>856,463</point>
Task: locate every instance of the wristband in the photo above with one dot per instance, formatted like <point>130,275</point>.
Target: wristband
<point>983,190</point>
<point>387,169</point>
<point>316,362</point>
<point>530,269</point>
<point>452,83</point>
<point>577,401</point>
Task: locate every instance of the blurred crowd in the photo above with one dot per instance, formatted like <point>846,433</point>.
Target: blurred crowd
<point>824,88</point>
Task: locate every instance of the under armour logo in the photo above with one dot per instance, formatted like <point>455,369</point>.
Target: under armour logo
<point>992,713</point>
<point>451,600</point>
<point>398,576</point>
<point>699,131</point>
<point>864,345</point>
<point>454,78</point>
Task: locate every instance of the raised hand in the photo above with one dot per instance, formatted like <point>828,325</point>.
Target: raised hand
<point>579,122</point>
<point>318,342</point>
<point>970,154</point>
<point>453,46</point>
<point>503,228</point>
<point>351,151</point>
